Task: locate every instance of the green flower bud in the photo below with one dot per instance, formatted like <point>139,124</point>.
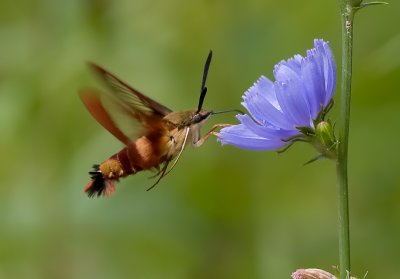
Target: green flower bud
<point>325,140</point>
<point>324,132</point>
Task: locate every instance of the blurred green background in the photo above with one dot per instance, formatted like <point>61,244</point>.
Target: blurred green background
<point>223,212</point>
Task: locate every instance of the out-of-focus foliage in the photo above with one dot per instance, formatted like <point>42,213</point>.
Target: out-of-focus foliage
<point>222,212</point>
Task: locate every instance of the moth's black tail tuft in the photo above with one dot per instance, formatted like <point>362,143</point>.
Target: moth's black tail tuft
<point>99,186</point>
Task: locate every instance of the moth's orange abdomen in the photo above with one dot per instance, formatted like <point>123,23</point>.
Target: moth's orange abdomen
<point>144,153</point>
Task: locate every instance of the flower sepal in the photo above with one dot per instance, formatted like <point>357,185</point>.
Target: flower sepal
<point>321,138</point>
<point>307,131</point>
<point>323,112</point>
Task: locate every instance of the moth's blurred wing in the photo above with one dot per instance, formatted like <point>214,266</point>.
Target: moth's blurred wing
<point>123,111</point>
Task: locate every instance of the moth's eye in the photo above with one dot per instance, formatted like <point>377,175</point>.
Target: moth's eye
<point>197,118</point>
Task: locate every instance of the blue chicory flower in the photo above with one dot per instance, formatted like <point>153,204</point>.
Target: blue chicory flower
<point>284,109</point>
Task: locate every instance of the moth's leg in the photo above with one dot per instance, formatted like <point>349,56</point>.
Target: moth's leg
<point>209,133</point>
<point>180,152</point>
<point>161,173</point>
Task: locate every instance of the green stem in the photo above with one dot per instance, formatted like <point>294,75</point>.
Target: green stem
<point>347,13</point>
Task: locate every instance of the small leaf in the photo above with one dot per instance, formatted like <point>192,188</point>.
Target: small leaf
<point>363,5</point>
<point>316,158</point>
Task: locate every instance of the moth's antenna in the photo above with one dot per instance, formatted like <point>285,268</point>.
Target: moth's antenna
<point>203,89</point>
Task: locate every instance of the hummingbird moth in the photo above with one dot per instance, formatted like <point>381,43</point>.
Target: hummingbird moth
<point>160,133</point>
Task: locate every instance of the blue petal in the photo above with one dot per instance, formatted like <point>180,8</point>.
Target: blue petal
<point>268,132</point>
<point>329,69</point>
<point>240,136</point>
<point>314,82</point>
<point>292,99</point>
<point>260,100</point>
<point>288,70</point>
<point>319,76</point>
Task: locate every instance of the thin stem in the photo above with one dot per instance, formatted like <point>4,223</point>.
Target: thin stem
<point>347,13</point>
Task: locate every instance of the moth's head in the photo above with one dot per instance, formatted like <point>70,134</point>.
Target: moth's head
<point>200,116</point>
<point>188,117</point>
